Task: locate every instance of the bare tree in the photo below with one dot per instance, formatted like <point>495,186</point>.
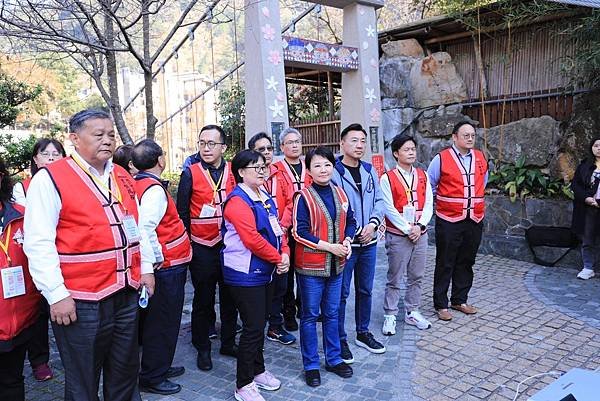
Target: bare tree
<point>95,34</point>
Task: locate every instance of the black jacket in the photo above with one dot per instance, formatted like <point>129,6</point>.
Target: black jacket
<point>583,188</point>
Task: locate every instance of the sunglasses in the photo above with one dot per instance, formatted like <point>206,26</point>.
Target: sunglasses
<point>264,149</point>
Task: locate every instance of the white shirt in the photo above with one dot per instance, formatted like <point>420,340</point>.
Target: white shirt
<point>19,194</point>
<point>41,218</point>
<point>393,214</point>
<point>153,207</point>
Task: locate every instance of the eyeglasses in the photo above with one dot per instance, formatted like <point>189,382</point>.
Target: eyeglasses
<point>264,149</point>
<point>210,144</point>
<point>294,142</point>
<point>258,169</point>
<point>48,154</point>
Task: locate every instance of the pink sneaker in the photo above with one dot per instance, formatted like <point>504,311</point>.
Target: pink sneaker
<point>266,381</point>
<point>248,393</point>
<point>42,372</point>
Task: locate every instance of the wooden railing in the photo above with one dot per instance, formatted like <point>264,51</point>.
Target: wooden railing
<point>319,132</point>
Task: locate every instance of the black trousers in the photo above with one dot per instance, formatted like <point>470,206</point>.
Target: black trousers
<point>159,324</point>
<point>456,247</point>
<point>38,350</point>
<point>279,284</point>
<point>253,304</point>
<point>12,384</point>
<point>103,339</point>
<point>205,269</point>
<point>291,301</point>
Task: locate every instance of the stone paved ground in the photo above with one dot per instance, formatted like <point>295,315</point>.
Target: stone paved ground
<point>532,320</point>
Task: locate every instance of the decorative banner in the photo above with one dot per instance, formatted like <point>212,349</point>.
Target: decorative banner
<point>304,51</point>
<point>374,139</point>
<point>379,164</point>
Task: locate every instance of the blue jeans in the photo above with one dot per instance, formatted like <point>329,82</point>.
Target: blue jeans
<point>319,293</point>
<point>362,263</point>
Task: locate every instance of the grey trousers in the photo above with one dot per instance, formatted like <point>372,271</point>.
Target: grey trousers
<point>404,258</point>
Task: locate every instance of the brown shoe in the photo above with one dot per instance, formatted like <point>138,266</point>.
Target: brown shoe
<point>444,314</point>
<point>464,308</point>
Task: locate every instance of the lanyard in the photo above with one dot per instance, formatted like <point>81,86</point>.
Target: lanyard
<point>296,176</point>
<point>4,245</point>
<point>216,186</point>
<point>265,204</point>
<point>117,195</point>
<point>409,188</point>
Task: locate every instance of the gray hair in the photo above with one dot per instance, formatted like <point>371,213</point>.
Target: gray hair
<point>78,119</point>
<point>286,132</point>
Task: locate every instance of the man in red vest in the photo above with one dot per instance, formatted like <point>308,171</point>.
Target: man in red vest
<point>458,177</point>
<point>88,258</point>
<point>203,188</point>
<point>160,321</point>
<point>295,178</point>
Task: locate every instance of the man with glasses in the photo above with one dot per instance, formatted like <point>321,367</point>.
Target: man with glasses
<point>202,190</point>
<point>360,182</point>
<point>458,177</point>
<point>276,187</point>
<point>295,178</point>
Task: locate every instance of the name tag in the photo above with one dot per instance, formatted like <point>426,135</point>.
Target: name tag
<point>208,211</point>
<point>13,282</point>
<point>131,229</point>
<point>408,212</point>
<point>275,225</point>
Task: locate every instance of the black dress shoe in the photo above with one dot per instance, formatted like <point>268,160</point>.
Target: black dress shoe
<point>204,362</point>
<point>175,371</point>
<point>233,351</point>
<point>290,324</point>
<point>165,388</point>
<point>341,369</point>
<point>312,377</point>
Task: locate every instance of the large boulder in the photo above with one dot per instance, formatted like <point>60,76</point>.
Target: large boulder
<point>394,77</point>
<point>434,81</point>
<point>403,48</point>
<point>438,122</point>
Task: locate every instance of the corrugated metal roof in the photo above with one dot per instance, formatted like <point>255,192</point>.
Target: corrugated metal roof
<point>583,3</point>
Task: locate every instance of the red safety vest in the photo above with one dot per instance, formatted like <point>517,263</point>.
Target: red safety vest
<point>96,259</point>
<point>291,180</point>
<point>19,312</point>
<point>25,184</point>
<point>207,230</point>
<point>276,186</point>
<point>173,238</point>
<point>460,192</point>
<point>306,258</point>
<point>404,193</point>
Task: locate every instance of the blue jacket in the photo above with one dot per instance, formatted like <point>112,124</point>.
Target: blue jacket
<point>368,206</point>
<point>240,266</point>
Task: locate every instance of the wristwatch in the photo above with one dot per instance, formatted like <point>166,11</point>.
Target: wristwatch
<point>421,226</point>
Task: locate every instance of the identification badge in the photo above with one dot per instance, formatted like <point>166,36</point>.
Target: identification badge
<point>208,211</point>
<point>131,229</point>
<point>275,225</point>
<point>408,212</point>
<point>13,282</point>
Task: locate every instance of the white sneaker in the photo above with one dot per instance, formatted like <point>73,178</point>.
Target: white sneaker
<point>389,325</point>
<point>586,274</point>
<point>416,319</point>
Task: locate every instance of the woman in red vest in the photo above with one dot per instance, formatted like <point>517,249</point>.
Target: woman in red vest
<point>45,151</point>
<point>323,226</point>
<point>19,299</point>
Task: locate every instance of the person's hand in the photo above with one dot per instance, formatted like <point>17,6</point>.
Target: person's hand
<point>284,265</point>
<point>63,312</point>
<point>339,250</point>
<point>591,202</point>
<point>415,233</point>
<point>148,281</point>
<point>158,265</point>
<point>348,246</point>
<point>366,235</point>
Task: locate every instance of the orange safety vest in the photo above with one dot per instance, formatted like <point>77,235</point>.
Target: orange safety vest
<point>404,193</point>
<point>291,179</point>
<point>96,259</point>
<point>307,259</point>
<point>276,186</point>
<point>207,230</point>
<point>173,238</point>
<point>19,312</point>
<point>460,192</point>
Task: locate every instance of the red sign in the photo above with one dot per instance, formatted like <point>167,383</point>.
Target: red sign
<point>379,164</point>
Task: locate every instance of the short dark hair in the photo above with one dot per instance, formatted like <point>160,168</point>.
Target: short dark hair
<point>399,140</point>
<point>78,119</point>
<point>242,159</point>
<point>460,124</point>
<point>258,137</point>
<point>352,127</point>
<point>145,154</point>
<point>6,183</point>
<point>122,156</point>
<point>319,151</point>
<point>592,142</point>
<point>222,136</point>
<point>39,146</point>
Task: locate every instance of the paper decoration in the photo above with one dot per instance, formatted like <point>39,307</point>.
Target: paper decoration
<point>370,96</point>
<point>271,83</point>
<point>266,12</point>
<point>274,57</point>
<point>375,115</point>
<point>370,31</point>
<point>268,32</point>
<point>276,108</point>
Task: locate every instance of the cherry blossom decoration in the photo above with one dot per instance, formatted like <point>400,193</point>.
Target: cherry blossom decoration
<point>274,57</point>
<point>268,32</point>
<point>370,96</point>
<point>370,31</point>
<point>375,115</point>
<point>365,45</point>
<point>277,109</point>
<point>280,97</point>
<point>366,79</point>
<point>373,63</point>
<point>271,83</point>
<point>266,12</point>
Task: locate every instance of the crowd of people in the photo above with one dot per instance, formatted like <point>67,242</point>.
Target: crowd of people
<point>95,242</point>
